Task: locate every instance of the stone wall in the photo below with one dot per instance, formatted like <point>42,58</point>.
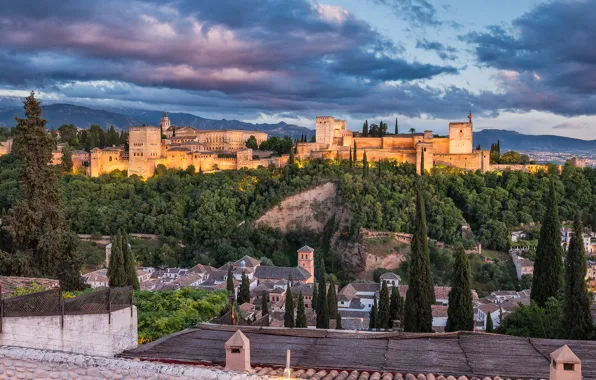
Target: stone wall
<point>91,334</point>
<point>25,363</point>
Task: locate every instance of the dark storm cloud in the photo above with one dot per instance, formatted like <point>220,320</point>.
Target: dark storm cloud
<point>546,57</point>
<point>443,51</point>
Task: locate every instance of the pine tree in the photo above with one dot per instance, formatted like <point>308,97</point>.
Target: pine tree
<point>577,314</point>
<point>289,320</point>
<point>355,152</point>
<point>383,316</point>
<point>116,272</point>
<point>323,306</point>
<point>420,295</point>
<point>372,322</point>
<point>230,283</point>
<point>396,127</point>
<point>244,292</point>
<point>396,307</point>
<point>489,323</point>
<point>130,263</point>
<point>338,325</point>
<point>547,280</point>
<point>42,244</point>
<point>301,313</point>
<point>264,305</point>
<point>460,314</point>
<point>364,166</point>
<point>332,301</point>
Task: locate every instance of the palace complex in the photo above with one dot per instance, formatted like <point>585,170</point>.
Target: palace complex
<point>209,150</point>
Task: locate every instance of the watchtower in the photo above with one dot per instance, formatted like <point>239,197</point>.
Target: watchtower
<point>306,260</point>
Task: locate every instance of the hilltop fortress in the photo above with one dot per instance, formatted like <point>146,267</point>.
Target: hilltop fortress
<point>334,140</point>
<point>211,150</point>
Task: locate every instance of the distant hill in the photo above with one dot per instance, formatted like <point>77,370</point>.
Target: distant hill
<point>511,140</point>
<point>83,117</point>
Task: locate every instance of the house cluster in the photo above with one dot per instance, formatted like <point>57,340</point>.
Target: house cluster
<point>499,304</point>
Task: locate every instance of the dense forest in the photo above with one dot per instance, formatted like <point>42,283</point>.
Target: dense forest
<point>209,215</point>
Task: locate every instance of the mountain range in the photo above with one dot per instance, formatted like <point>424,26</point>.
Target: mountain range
<point>59,113</point>
<point>122,118</point>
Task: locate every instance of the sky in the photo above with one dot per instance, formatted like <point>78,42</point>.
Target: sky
<point>523,65</point>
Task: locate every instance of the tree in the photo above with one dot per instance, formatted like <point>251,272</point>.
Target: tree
<point>396,127</point>
<point>322,305</point>
<point>116,272</point>
<point>547,279</point>
<point>41,241</point>
<point>350,163</point>
<point>460,314</point>
<point>338,325</point>
<point>291,160</point>
<point>332,301</point>
<point>577,314</point>
<point>396,308</point>
<point>355,152</point>
<point>422,162</point>
<point>230,282</point>
<point>315,297</point>
<point>264,305</point>
<point>251,143</point>
<point>365,129</point>
<point>244,292</point>
<point>526,281</point>
<point>412,130</point>
<point>489,323</point>
<point>67,159</point>
<point>420,295</point>
<point>383,315</point>
<point>289,320</point>
<point>301,313</point>
<point>372,322</point>
<point>364,166</point>
<point>130,267</point>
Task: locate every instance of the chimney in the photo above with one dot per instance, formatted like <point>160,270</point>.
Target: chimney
<point>238,353</point>
<point>565,365</point>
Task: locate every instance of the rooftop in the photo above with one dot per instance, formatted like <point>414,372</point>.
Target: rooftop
<point>470,354</point>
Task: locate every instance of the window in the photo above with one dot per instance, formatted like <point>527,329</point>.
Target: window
<point>235,350</point>
<point>568,366</point>
<point>110,158</point>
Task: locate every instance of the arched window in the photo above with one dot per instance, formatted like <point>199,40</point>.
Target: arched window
<point>110,158</point>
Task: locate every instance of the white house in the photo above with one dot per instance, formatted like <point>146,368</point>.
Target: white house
<point>567,234</point>
<point>523,266</point>
<point>490,308</point>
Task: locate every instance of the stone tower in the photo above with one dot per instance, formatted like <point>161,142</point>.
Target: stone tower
<point>460,138</point>
<point>144,151</point>
<point>306,260</point>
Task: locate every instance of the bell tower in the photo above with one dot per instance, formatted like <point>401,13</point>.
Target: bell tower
<point>164,123</point>
<point>306,260</point>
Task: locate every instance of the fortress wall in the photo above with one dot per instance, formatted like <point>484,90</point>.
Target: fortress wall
<point>523,168</point>
<point>368,142</point>
<point>441,145</point>
<point>399,142</point>
<point>472,161</point>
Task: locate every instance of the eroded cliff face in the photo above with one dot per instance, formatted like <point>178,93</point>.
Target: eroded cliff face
<point>310,209</point>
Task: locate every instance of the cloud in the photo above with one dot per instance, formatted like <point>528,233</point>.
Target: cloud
<point>418,13</point>
<point>547,57</point>
<point>574,125</point>
<point>443,51</point>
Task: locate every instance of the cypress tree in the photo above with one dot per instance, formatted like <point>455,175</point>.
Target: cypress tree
<point>289,320</point>
<point>364,166</point>
<point>323,306</point>
<point>420,295</point>
<point>301,313</point>
<point>315,297</point>
<point>489,323</point>
<point>244,292</point>
<point>577,314</point>
<point>332,301</point>
<point>130,264</point>
<point>422,162</point>
<point>355,152</point>
<point>42,244</point>
<point>291,160</point>
<point>264,305</point>
<point>383,316</point>
<point>350,157</point>
<point>116,272</point>
<point>396,128</point>
<point>338,325</point>
<point>547,280</point>
<point>365,129</point>
<point>396,308</point>
<point>372,322</point>
<point>67,159</point>
<point>460,314</point>
<point>230,282</point>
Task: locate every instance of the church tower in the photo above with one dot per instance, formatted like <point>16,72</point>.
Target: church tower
<point>164,123</point>
<point>306,260</point>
